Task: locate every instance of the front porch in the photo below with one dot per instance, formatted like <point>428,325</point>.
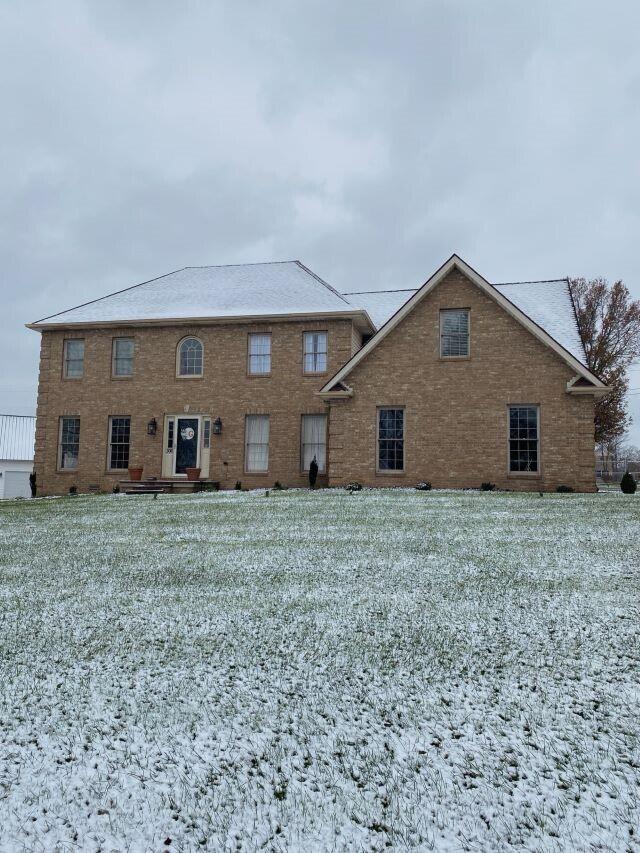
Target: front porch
<point>152,485</point>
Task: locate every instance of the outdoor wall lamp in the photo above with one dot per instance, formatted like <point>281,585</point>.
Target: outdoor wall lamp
<point>217,426</point>
<point>152,427</point>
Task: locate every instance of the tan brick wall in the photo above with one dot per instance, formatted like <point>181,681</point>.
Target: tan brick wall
<point>456,411</point>
<point>225,391</point>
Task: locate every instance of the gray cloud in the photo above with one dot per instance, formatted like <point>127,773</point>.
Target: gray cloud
<point>368,140</point>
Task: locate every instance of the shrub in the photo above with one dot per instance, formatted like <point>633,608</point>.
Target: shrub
<point>73,490</point>
<point>424,486</point>
<point>313,473</point>
<point>116,489</point>
<point>278,487</point>
<point>628,484</point>
<point>353,487</point>
<point>238,486</point>
<point>565,489</point>
<point>488,487</point>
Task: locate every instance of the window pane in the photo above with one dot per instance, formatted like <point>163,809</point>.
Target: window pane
<point>123,357</point>
<point>390,439</point>
<point>259,354</point>
<point>74,358</point>
<point>257,443</point>
<point>314,441</point>
<point>119,443</point>
<point>191,357</point>
<point>454,333</point>
<point>315,352</point>
<point>523,438</point>
<point>69,443</point>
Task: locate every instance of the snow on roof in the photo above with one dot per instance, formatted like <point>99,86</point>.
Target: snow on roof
<point>17,437</point>
<point>284,287</point>
<point>547,303</point>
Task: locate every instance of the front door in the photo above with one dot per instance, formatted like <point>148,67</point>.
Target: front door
<point>187,444</point>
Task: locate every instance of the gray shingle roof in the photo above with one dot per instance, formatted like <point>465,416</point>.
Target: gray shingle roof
<point>17,437</point>
<point>285,287</point>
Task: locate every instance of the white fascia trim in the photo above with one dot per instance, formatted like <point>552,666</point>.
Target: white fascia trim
<point>453,263</point>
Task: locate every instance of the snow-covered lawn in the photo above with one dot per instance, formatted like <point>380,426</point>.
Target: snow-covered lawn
<point>320,671</point>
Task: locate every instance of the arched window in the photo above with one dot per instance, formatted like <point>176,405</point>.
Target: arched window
<point>190,357</point>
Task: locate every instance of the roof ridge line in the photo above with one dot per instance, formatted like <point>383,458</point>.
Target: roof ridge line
<point>221,266</point>
<point>399,290</point>
<point>532,281</point>
<point>323,282</point>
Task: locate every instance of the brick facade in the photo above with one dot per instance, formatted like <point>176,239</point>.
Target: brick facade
<point>455,411</point>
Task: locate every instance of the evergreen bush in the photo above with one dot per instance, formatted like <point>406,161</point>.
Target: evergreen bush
<point>628,484</point>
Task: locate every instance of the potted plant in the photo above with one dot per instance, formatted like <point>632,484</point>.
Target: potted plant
<point>135,473</point>
<point>193,473</point>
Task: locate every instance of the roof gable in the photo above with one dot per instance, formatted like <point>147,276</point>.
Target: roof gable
<point>496,293</point>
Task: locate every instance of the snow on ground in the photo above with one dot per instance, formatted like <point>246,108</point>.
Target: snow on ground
<point>320,671</point>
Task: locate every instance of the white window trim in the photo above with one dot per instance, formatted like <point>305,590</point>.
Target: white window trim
<point>455,357</point>
<point>305,353</point>
<point>258,373</point>
<point>178,348</point>
<point>114,344</point>
<point>65,360</point>
<point>390,471</point>
<point>109,443</point>
<point>538,471</point>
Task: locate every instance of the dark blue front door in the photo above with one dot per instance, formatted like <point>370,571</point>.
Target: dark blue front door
<point>186,444</point>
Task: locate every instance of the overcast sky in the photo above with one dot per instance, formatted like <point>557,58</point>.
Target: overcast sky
<point>370,140</point>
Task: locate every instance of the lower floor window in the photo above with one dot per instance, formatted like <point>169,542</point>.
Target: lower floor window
<point>119,436</point>
<point>69,444</point>
<point>256,450</point>
<point>314,441</point>
<point>390,439</point>
<point>524,438</point>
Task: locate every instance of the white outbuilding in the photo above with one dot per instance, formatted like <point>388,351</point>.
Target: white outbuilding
<point>17,441</point>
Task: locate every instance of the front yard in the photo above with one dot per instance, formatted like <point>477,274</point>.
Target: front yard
<point>320,671</point>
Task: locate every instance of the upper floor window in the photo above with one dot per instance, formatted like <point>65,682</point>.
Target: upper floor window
<point>119,438</point>
<point>190,357</point>
<point>315,352</point>
<point>68,444</point>
<point>390,439</point>
<point>259,354</point>
<point>122,357</point>
<point>454,333</point>
<point>524,439</point>
<point>74,358</point>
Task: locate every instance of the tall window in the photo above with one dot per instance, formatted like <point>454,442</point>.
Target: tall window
<point>259,354</point>
<point>122,357</point>
<point>190,357</point>
<point>314,441</point>
<point>315,352</point>
<point>119,436</point>
<point>524,439</point>
<point>256,450</point>
<point>454,333</point>
<point>390,439</point>
<point>68,444</point>
<point>74,358</point>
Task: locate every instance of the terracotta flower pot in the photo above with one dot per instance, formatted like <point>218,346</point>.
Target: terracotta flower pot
<point>193,473</point>
<point>135,473</point>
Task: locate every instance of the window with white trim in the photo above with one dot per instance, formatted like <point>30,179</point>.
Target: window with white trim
<point>206,433</point>
<point>454,333</point>
<point>190,357</point>
<point>119,440</point>
<point>259,354</point>
<point>256,443</point>
<point>315,352</point>
<point>74,358</point>
<point>391,439</point>
<point>122,357</point>
<point>68,444</point>
<point>524,439</point>
<point>313,441</point>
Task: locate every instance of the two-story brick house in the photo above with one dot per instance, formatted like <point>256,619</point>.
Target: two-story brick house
<point>248,372</point>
